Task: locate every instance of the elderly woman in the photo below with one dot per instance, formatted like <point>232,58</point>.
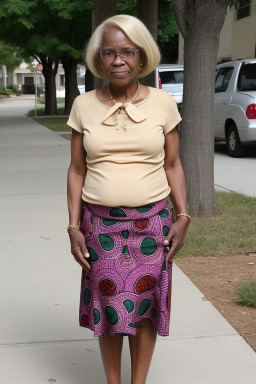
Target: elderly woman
<point>124,164</point>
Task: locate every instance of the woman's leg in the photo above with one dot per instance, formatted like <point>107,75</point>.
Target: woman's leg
<point>111,350</point>
<point>141,349</point>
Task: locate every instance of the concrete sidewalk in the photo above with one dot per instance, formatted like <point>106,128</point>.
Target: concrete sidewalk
<point>40,340</point>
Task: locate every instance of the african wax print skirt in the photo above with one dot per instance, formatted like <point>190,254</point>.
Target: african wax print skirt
<point>129,279</point>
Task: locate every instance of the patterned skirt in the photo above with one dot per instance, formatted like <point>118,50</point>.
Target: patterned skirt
<point>129,279</point>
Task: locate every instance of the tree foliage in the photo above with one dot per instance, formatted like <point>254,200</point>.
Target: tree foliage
<point>58,30</point>
<point>126,7</point>
<point>49,27</point>
<point>10,56</point>
<point>168,30</point>
<point>72,25</point>
<point>49,30</point>
<point>167,26</point>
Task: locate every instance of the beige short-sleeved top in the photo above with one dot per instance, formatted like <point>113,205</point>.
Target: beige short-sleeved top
<point>124,151</point>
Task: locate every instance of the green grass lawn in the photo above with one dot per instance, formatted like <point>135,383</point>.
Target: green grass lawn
<point>231,231</point>
<point>56,124</point>
<point>40,112</point>
<point>60,100</point>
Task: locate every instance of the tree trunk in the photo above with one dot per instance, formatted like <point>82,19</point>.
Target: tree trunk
<point>148,13</point>
<point>101,11</point>
<point>197,139</point>
<point>200,22</point>
<point>71,88</point>
<point>49,72</point>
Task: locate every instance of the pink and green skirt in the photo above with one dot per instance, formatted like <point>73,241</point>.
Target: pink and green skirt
<point>129,279</point>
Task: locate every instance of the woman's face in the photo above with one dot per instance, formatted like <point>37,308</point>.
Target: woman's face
<point>119,72</point>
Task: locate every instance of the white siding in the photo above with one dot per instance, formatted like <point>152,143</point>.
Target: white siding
<point>225,47</point>
<point>244,36</point>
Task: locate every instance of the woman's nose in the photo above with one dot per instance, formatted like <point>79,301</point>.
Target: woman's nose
<point>117,59</point>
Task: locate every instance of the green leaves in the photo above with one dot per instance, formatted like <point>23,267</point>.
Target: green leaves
<point>167,26</point>
<point>9,55</point>
<point>128,7</point>
<point>17,7</point>
<point>50,27</point>
<point>67,9</point>
<point>61,28</point>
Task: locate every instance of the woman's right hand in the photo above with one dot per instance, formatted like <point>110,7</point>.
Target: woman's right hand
<point>79,249</point>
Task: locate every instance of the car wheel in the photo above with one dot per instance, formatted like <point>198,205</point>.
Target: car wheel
<point>234,146</point>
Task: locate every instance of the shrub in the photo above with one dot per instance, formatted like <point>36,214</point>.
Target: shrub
<point>13,88</point>
<point>247,293</point>
<point>5,91</point>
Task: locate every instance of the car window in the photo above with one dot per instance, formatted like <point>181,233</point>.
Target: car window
<point>247,78</point>
<point>171,77</point>
<point>222,79</point>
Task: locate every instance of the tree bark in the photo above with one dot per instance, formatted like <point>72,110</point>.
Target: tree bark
<point>49,71</point>
<point>200,22</point>
<point>71,88</point>
<point>148,13</point>
<point>101,11</point>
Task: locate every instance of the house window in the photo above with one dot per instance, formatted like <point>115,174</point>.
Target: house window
<point>243,9</point>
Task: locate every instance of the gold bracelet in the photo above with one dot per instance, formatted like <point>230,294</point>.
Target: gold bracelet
<point>72,226</point>
<point>184,214</point>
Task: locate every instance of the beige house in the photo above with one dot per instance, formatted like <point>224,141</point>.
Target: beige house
<point>25,79</point>
<point>238,35</point>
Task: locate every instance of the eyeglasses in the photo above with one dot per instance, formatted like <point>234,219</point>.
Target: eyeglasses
<point>109,55</point>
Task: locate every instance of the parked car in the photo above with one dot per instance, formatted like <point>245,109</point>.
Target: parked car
<point>60,92</point>
<point>169,77</point>
<point>235,105</point>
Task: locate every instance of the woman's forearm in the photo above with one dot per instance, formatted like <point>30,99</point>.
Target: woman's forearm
<point>75,184</point>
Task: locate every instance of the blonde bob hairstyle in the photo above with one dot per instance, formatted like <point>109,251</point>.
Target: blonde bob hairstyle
<point>139,35</point>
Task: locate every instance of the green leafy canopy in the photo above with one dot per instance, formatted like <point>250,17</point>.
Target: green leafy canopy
<point>10,56</point>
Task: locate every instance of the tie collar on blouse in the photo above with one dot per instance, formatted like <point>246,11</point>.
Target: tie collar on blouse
<point>111,117</point>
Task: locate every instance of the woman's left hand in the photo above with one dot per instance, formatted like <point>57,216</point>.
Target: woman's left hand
<point>176,237</point>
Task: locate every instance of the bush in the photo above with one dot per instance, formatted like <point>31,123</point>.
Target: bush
<point>5,91</point>
<point>13,88</point>
<point>247,293</point>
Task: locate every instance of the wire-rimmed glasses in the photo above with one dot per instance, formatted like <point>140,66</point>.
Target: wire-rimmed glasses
<point>126,55</point>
